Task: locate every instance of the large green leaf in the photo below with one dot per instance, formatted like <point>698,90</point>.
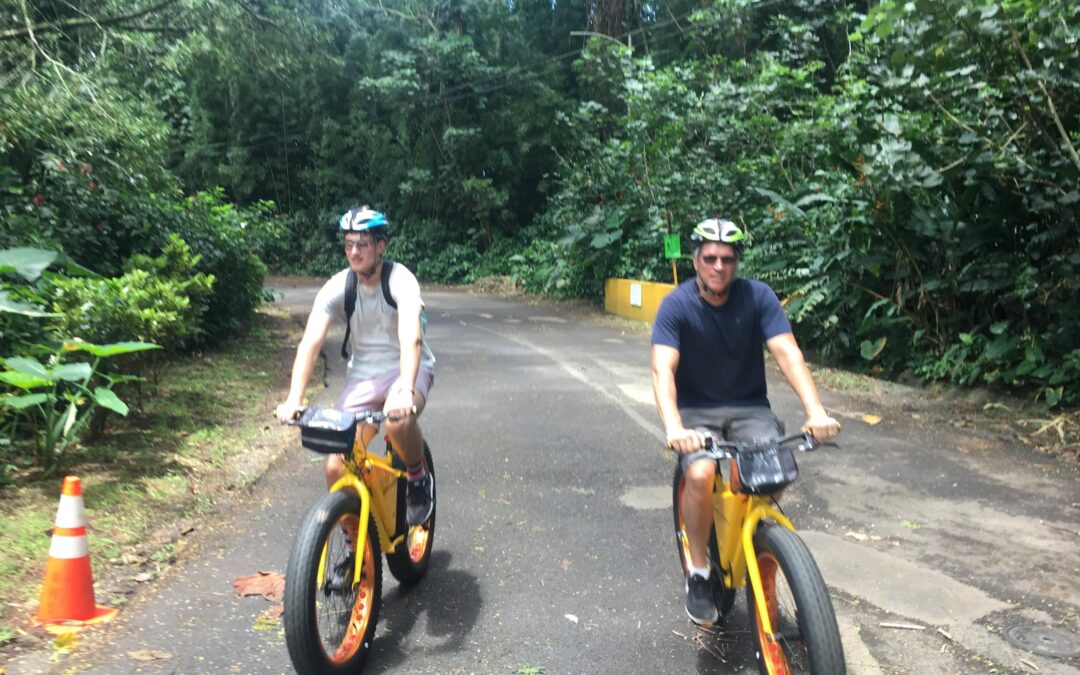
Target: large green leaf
<point>7,304</point>
<point>870,350</point>
<point>110,349</point>
<point>25,401</point>
<point>107,399</point>
<point>23,381</point>
<point>73,372</point>
<point>27,366</point>
<point>28,263</point>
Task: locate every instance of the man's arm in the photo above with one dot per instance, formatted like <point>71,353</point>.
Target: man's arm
<point>665,360</point>
<point>400,399</point>
<point>307,352</point>
<point>789,357</point>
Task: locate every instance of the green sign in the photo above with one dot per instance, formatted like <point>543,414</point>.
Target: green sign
<point>671,246</point>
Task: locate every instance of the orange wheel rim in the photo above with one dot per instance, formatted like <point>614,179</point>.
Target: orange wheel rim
<point>361,612</point>
<point>772,652</point>
<point>418,542</point>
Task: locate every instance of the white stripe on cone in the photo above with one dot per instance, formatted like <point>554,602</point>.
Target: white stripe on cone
<point>70,512</point>
<point>68,548</point>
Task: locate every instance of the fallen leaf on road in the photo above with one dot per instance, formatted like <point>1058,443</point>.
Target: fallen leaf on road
<point>565,565</point>
<point>66,643</point>
<point>149,655</point>
<point>270,585</point>
<point>871,419</point>
<point>571,618</point>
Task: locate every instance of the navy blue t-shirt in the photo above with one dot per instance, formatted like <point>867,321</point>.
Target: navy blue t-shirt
<point>721,349</point>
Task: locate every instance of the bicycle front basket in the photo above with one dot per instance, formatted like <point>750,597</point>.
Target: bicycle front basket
<point>328,431</point>
<point>766,468</point>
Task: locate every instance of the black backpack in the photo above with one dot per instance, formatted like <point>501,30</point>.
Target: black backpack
<point>351,284</point>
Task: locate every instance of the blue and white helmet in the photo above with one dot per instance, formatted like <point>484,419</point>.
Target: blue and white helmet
<point>365,219</point>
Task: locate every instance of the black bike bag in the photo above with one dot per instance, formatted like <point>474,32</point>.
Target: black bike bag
<point>328,431</point>
<point>766,468</point>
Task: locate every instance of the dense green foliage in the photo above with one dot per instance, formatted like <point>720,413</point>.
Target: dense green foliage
<point>907,170</point>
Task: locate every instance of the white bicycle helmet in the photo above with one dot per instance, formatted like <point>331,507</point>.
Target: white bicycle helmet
<point>721,231</point>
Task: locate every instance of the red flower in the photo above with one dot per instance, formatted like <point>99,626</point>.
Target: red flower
<point>39,199</point>
<point>60,166</point>
<point>100,227</point>
<point>600,202</point>
<point>91,185</point>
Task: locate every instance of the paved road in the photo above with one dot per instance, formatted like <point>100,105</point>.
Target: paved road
<point>554,548</point>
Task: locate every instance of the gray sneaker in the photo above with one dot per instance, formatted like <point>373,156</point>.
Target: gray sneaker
<point>700,600</point>
<point>420,499</point>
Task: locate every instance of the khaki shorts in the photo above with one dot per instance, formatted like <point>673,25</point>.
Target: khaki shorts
<point>730,423</point>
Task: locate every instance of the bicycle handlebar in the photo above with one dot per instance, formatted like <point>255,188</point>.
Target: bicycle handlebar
<point>362,417</point>
<point>724,449</point>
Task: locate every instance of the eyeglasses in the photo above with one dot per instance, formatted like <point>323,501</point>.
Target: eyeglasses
<point>359,246</point>
<point>727,260</point>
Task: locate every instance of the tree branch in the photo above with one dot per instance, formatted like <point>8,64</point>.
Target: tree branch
<point>81,22</point>
<point>1049,102</point>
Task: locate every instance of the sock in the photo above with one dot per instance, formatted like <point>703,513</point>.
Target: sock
<point>700,571</point>
<point>416,472</point>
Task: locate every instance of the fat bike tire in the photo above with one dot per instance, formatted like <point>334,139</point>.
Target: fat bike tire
<point>410,560</point>
<point>806,638</point>
<point>725,597</point>
<point>329,630</point>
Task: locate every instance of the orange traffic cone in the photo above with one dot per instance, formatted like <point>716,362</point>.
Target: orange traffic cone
<point>67,599</point>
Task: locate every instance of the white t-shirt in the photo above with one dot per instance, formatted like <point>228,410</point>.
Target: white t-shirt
<point>373,340</point>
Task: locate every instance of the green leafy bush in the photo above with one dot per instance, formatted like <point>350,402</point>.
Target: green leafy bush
<point>160,300</point>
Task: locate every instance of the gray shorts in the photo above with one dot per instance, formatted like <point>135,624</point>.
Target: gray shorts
<point>731,423</point>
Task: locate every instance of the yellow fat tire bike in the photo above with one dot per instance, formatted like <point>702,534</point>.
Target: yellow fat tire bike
<point>333,587</point>
<point>752,544</point>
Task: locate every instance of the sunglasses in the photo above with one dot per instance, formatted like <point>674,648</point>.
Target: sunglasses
<point>727,260</point>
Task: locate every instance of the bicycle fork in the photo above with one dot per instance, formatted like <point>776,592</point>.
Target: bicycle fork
<point>759,512</point>
<point>349,481</point>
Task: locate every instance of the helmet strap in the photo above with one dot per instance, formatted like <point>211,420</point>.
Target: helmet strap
<point>708,292</point>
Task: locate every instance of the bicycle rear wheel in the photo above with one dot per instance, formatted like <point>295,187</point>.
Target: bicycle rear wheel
<point>329,629</point>
<point>725,597</point>
<point>805,636</point>
<point>409,561</point>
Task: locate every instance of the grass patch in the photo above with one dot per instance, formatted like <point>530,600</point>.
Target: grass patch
<point>200,432</point>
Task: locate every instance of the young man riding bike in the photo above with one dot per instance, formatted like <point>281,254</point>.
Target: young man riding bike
<point>708,372</point>
<point>390,366</point>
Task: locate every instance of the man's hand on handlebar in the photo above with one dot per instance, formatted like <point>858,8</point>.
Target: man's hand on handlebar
<point>288,412</point>
<point>684,441</point>
<point>821,427</point>
<point>399,404</point>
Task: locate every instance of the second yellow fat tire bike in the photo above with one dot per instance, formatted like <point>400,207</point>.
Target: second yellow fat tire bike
<point>752,544</point>
<point>333,586</point>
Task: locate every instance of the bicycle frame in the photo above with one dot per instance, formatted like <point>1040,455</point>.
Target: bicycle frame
<point>360,468</point>
<point>737,516</point>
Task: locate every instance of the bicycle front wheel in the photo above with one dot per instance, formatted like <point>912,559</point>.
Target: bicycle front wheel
<point>805,637</point>
<point>410,559</point>
<point>329,619</point>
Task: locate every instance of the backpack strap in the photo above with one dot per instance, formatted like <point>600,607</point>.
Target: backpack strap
<point>387,268</point>
<point>351,284</point>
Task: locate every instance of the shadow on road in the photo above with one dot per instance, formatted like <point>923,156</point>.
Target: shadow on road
<point>449,598</point>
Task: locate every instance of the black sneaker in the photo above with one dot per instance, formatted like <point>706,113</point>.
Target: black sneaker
<point>420,499</point>
<point>340,578</point>
<point>700,600</point>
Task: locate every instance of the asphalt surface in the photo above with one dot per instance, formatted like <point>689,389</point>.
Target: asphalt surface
<point>554,550</point>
